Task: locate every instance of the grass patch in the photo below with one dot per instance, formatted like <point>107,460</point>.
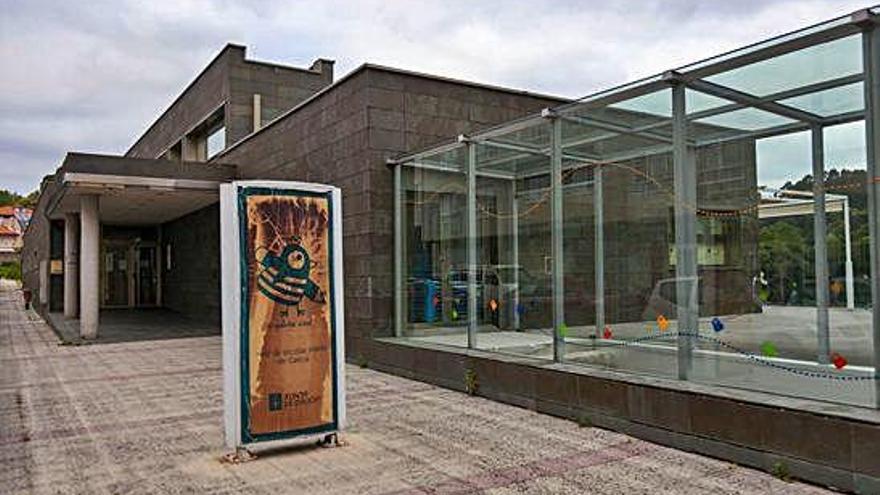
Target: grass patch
<point>362,362</point>
<point>584,421</point>
<point>470,381</point>
<point>780,470</point>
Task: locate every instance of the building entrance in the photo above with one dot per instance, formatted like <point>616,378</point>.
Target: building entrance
<point>129,272</point>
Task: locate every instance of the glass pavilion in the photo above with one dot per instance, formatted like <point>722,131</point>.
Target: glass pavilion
<point>715,223</point>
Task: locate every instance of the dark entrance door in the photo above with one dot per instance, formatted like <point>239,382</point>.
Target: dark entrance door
<point>116,274</point>
<point>147,276</point>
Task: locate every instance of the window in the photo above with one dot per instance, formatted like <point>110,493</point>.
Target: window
<point>216,141</point>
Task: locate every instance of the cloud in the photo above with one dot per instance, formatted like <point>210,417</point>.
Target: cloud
<point>91,76</point>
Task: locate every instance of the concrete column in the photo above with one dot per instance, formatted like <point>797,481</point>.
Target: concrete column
<point>90,249</point>
<point>71,265</point>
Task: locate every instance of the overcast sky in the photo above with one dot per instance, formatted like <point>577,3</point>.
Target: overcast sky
<point>91,76</point>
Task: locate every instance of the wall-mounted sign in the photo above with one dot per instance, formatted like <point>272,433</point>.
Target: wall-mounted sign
<point>281,257</point>
<point>56,267</point>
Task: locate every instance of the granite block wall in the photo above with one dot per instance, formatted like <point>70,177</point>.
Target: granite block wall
<point>192,285</point>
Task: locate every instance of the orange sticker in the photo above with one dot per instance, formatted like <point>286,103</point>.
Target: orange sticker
<point>662,323</point>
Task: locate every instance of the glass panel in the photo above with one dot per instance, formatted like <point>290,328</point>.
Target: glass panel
<point>513,246</point>
<point>623,131</point>
<point>762,45</point>
<point>810,65</point>
<point>835,101</point>
<point>849,284</point>
<point>696,101</point>
<point>216,141</point>
<point>435,249</point>
<point>660,103</point>
<point>755,241</point>
<point>535,135</point>
<point>637,226</point>
<point>746,119</point>
<point>657,103</point>
<point>508,163</point>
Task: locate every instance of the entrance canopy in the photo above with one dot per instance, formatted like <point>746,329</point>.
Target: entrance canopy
<point>136,191</point>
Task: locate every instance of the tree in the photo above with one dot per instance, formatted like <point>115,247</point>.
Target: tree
<point>779,266</point>
<point>781,253</point>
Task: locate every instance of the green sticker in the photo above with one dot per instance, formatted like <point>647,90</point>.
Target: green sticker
<point>454,314</point>
<point>563,330</point>
<point>769,350</point>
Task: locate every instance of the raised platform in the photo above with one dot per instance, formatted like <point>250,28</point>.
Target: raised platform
<point>130,325</point>
<point>827,443</point>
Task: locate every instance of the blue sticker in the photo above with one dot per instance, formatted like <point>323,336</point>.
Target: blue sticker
<point>717,324</point>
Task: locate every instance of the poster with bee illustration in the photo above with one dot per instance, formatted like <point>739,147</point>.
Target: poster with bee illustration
<point>282,310</point>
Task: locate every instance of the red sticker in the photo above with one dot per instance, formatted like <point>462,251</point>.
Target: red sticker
<point>838,361</point>
<point>607,333</point>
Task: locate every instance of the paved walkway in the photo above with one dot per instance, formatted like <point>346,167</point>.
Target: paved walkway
<point>145,417</point>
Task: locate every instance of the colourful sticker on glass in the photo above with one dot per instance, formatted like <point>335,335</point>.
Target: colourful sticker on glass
<point>768,349</point>
<point>563,330</point>
<point>607,333</point>
<point>717,324</point>
<point>838,361</point>
<point>662,323</point>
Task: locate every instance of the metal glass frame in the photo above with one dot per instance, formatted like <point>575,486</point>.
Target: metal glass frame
<point>562,137</point>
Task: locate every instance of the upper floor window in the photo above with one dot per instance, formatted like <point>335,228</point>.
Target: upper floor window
<point>216,141</point>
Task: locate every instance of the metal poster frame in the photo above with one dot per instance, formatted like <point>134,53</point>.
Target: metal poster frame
<point>235,294</point>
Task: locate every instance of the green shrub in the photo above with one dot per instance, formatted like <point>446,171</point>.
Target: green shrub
<point>10,270</point>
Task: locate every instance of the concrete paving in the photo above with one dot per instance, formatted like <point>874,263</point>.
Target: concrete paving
<point>146,417</point>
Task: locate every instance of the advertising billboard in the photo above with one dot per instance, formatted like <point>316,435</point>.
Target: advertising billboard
<point>281,260</point>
